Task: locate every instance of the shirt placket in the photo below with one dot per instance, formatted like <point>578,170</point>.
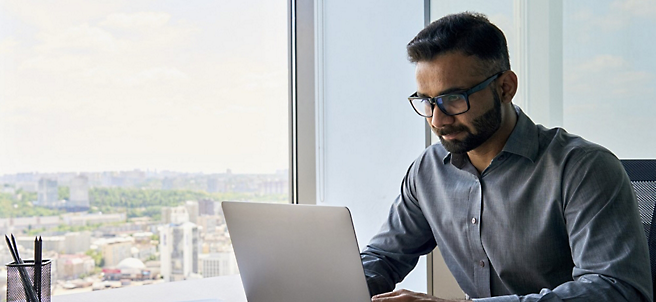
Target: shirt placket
<point>480,261</point>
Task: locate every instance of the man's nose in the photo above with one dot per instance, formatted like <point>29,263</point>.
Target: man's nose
<point>440,119</point>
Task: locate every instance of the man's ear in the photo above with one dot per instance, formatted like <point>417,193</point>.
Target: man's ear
<point>507,85</point>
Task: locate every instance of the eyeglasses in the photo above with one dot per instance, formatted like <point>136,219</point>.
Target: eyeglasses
<point>449,104</point>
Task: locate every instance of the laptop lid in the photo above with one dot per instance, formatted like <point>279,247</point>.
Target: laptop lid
<point>296,253</point>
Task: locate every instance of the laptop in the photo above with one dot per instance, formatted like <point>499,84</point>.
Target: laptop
<point>296,253</point>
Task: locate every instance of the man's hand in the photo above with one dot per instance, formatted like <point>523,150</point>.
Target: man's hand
<point>407,296</point>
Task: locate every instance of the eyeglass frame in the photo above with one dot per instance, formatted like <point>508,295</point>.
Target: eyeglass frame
<point>434,100</point>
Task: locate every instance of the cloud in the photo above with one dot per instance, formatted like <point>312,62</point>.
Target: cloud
<point>618,16</point>
<point>79,37</point>
<point>157,75</point>
<point>118,86</point>
<point>138,21</point>
<point>592,22</point>
<point>8,45</point>
<point>604,79</point>
<point>54,15</point>
<point>641,8</point>
<point>609,100</point>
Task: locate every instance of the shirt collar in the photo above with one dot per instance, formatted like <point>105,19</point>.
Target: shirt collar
<point>523,141</point>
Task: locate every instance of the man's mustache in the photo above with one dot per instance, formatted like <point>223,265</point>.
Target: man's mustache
<point>450,130</point>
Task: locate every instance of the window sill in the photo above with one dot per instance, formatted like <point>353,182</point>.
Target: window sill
<point>223,289</point>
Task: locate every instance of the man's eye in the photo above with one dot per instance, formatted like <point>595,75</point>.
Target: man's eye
<point>452,97</point>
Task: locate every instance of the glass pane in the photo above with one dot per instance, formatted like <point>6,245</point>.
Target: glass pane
<point>608,67</point>
<point>124,124</point>
<point>609,72</point>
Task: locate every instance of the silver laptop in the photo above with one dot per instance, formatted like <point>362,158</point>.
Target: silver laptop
<point>296,253</point>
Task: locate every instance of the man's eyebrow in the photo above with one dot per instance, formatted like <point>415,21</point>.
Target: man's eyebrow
<point>447,91</point>
<point>452,90</point>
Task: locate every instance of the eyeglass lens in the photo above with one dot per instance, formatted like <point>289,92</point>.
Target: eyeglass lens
<point>452,104</point>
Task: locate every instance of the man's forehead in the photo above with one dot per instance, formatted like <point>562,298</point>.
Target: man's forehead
<point>454,63</point>
<point>447,73</point>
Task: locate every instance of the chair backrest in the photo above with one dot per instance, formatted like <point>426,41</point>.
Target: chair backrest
<point>642,173</point>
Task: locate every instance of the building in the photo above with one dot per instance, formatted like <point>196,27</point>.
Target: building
<point>78,219</point>
<point>28,186</point>
<point>48,193</point>
<point>274,186</point>
<point>77,242</point>
<point>215,185</point>
<point>206,207</point>
<point>114,250</point>
<point>79,194</point>
<point>145,247</point>
<point>50,243</point>
<point>142,237</point>
<point>179,248</point>
<point>15,225</point>
<point>219,264</point>
<point>6,189</point>
<point>144,251</point>
<point>73,266</point>
<point>121,229</point>
<point>208,224</point>
<point>192,210</point>
<point>133,269</point>
<point>175,215</point>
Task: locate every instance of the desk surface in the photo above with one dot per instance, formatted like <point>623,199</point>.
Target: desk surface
<point>224,288</point>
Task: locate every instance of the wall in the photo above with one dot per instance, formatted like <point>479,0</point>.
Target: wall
<point>366,132</point>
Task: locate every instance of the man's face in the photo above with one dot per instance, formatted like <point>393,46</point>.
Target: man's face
<point>455,72</point>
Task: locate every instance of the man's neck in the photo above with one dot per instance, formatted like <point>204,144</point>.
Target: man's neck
<point>482,156</point>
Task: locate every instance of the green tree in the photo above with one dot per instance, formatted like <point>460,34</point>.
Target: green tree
<point>21,205</point>
<point>63,193</point>
<point>97,257</point>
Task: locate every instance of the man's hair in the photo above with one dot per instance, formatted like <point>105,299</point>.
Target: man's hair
<point>468,33</point>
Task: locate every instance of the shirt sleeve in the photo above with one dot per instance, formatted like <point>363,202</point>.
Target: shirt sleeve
<point>403,238</point>
<point>606,237</point>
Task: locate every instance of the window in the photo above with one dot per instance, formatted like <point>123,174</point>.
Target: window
<point>586,66</point>
<point>596,79</point>
<point>609,74</point>
<point>125,124</point>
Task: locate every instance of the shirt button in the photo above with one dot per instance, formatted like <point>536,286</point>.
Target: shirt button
<point>474,220</point>
<point>482,263</point>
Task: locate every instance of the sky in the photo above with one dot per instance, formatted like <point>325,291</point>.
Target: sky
<point>188,86</point>
<point>609,67</point>
<point>201,86</point>
<point>609,74</point>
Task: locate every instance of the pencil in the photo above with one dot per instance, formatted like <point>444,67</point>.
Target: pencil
<point>37,266</point>
<point>30,293</point>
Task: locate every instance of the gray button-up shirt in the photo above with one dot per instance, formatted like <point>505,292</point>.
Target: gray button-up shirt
<point>552,218</point>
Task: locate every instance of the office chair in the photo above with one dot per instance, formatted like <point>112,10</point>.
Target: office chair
<point>642,173</point>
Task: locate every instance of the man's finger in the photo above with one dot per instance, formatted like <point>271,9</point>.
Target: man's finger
<point>389,294</point>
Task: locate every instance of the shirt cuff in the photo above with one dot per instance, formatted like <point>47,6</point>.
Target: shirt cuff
<point>377,284</point>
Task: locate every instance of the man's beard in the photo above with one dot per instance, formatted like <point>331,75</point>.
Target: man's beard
<point>485,125</point>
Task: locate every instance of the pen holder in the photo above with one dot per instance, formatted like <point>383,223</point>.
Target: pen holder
<point>16,290</point>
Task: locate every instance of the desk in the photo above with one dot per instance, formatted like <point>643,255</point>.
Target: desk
<point>224,288</point>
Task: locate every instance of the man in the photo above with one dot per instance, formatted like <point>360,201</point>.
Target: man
<point>520,212</point>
